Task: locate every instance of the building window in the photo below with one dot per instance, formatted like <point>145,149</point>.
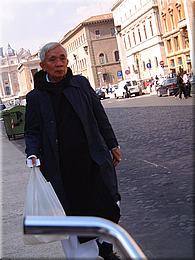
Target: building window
<point>172,21</point>
<point>176,43</point>
<point>151,28</point>
<point>97,33</point>
<point>184,34</point>
<point>179,14</point>
<point>7,90</point>
<point>140,38</point>
<point>125,42</point>
<point>112,31</point>
<point>178,6</point>
<point>169,47</point>
<point>144,26</point>
<point>116,55</point>
<point>179,61</point>
<point>165,23</point>
<point>3,62</point>
<point>102,58</point>
<point>134,38</point>
<point>172,63</point>
<point>144,65</point>
<point>129,39</point>
<point>106,77</point>
<point>156,61</point>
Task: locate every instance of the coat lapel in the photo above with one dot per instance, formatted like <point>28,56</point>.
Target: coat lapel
<point>73,95</point>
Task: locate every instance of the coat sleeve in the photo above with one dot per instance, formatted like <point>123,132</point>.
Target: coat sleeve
<point>32,126</point>
<point>102,120</point>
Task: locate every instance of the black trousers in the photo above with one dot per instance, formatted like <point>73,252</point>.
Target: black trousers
<point>86,193</point>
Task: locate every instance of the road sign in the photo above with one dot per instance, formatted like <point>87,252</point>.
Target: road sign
<point>119,73</point>
<point>127,72</point>
<point>148,65</point>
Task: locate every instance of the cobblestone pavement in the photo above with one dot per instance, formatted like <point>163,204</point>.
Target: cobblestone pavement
<point>155,175</point>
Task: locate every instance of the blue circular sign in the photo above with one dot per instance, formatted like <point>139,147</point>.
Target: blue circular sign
<point>119,73</point>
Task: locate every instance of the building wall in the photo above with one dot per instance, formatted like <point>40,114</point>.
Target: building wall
<point>16,73</point>
<point>26,70</point>
<point>9,76</point>
<point>86,43</point>
<point>139,38</point>
<point>175,35</point>
<point>104,47</point>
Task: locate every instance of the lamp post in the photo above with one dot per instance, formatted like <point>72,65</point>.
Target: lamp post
<point>75,58</point>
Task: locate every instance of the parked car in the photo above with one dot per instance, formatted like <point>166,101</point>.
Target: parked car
<point>100,93</point>
<point>2,106</point>
<point>168,87</point>
<point>133,88</point>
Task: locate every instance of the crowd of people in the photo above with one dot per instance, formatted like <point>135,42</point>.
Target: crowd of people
<point>183,84</point>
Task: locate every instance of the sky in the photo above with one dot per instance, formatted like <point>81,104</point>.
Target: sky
<point>29,24</point>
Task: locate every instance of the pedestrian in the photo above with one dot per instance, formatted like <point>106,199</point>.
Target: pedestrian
<point>181,86</point>
<point>67,128</point>
<point>127,94</point>
<point>187,84</point>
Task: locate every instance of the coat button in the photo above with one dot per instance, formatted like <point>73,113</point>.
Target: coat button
<point>51,121</point>
<point>56,141</point>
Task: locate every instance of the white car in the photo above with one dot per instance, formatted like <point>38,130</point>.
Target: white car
<point>132,86</point>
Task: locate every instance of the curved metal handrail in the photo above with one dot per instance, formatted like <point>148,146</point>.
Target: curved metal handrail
<point>85,226</point>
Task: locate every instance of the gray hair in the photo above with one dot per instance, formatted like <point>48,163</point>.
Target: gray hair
<point>47,47</point>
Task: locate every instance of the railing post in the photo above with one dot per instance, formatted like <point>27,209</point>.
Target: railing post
<point>85,226</point>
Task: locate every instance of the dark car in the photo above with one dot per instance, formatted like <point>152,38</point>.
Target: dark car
<point>168,87</point>
<point>2,107</point>
<point>100,93</point>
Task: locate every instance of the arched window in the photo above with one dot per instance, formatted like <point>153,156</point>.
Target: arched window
<point>102,58</point>
<point>116,55</point>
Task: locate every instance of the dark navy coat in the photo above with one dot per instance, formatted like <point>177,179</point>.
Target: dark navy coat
<point>41,133</point>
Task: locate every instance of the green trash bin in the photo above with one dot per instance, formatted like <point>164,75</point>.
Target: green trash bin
<point>14,119</point>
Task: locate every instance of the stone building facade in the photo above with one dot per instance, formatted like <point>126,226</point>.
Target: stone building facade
<point>139,37</point>
<point>9,84</point>
<point>26,71</point>
<point>175,35</point>
<point>16,73</point>
<point>93,52</point>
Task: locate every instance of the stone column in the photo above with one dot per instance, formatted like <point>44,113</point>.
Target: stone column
<point>189,7</point>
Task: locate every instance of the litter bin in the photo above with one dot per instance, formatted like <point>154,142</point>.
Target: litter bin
<point>14,118</point>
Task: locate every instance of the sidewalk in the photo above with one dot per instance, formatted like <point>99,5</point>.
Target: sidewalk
<point>14,178</point>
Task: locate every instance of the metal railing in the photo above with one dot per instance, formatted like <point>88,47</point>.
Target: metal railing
<point>85,226</point>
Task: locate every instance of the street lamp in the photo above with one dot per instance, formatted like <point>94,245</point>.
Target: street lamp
<point>86,49</point>
<point>75,58</point>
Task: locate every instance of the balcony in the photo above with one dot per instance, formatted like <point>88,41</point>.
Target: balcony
<point>182,24</point>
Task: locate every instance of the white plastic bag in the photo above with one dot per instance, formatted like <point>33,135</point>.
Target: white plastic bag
<point>41,200</point>
<point>74,250</point>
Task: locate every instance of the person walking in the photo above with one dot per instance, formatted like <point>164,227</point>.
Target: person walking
<point>66,127</point>
<point>181,85</point>
<point>187,84</point>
